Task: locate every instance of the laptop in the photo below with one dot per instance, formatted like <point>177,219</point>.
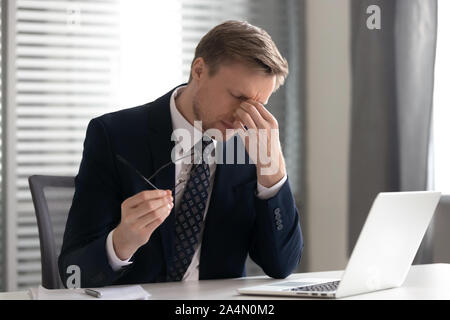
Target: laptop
<point>382,256</point>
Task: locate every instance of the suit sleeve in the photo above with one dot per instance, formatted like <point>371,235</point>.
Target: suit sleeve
<point>277,242</point>
<point>95,211</point>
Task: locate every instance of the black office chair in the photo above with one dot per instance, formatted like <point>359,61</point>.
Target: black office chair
<point>52,197</point>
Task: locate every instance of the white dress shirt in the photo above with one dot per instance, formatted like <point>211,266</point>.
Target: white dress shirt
<point>181,171</point>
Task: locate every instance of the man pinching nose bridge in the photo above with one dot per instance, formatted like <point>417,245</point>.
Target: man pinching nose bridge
<point>139,216</point>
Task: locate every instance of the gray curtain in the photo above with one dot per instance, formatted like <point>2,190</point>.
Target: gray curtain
<point>392,76</point>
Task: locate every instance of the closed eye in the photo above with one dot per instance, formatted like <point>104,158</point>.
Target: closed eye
<point>241,98</point>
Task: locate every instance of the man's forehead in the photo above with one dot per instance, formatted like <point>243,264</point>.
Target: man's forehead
<point>248,81</point>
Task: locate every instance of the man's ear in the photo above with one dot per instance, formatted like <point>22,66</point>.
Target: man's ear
<point>198,69</point>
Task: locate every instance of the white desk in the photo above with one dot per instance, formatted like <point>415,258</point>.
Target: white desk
<point>423,282</point>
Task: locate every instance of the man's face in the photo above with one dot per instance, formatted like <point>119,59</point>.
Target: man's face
<point>217,97</point>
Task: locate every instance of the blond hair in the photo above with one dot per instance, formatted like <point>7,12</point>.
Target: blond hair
<point>239,41</point>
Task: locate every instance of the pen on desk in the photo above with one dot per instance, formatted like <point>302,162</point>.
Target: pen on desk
<point>93,293</point>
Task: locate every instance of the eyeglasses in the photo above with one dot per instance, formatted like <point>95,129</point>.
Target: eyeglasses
<point>147,180</point>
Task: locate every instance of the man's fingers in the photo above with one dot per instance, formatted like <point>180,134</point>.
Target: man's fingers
<point>264,112</point>
<point>245,118</point>
<point>149,206</point>
<point>152,226</point>
<point>260,122</point>
<point>156,217</point>
<point>140,197</point>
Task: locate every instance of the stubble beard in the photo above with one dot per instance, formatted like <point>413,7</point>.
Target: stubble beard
<point>197,115</point>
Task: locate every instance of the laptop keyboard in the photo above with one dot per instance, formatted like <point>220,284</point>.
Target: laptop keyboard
<point>327,286</point>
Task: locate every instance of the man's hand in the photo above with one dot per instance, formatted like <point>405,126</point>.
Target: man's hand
<point>141,215</point>
<point>269,160</point>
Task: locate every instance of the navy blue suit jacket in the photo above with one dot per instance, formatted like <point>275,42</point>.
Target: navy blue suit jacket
<point>237,224</point>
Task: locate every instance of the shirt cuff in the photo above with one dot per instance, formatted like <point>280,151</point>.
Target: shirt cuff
<point>264,193</point>
<point>114,261</point>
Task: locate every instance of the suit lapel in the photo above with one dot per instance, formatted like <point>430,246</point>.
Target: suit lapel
<point>160,147</point>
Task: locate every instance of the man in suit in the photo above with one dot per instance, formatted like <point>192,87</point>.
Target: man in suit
<point>198,221</point>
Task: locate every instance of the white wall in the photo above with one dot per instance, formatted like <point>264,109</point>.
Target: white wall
<point>327,126</point>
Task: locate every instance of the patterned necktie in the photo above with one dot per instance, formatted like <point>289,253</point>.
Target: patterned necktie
<point>189,218</point>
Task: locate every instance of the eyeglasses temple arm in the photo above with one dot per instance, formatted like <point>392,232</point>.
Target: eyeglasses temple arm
<point>168,163</point>
<point>136,170</point>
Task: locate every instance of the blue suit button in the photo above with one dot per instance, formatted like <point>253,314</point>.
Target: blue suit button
<point>279,222</point>
<point>277,210</point>
<point>280,226</point>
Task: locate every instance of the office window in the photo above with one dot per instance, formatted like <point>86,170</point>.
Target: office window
<point>61,74</point>
<point>150,50</point>
<point>441,102</point>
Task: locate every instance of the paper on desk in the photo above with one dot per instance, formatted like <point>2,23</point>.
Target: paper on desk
<point>135,292</point>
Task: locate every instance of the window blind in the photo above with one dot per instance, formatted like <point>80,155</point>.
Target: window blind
<point>66,56</point>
